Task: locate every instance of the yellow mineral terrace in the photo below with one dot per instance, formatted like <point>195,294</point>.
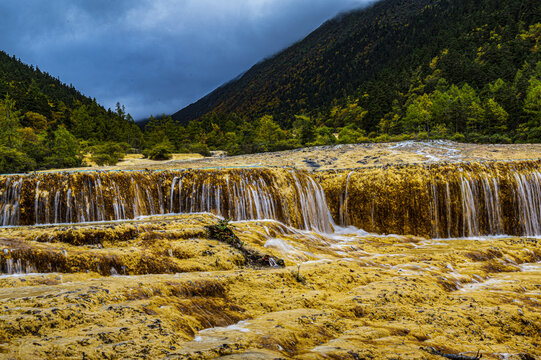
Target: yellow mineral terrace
<point>441,200</point>
<point>273,263</point>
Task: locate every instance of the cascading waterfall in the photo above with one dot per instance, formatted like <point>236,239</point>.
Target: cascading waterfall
<point>343,212</point>
<point>528,191</point>
<point>439,201</point>
<point>470,198</point>
<point>290,196</point>
<point>9,202</point>
<point>316,214</point>
<point>12,266</point>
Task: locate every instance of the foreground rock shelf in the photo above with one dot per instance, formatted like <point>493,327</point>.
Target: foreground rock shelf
<point>159,288</point>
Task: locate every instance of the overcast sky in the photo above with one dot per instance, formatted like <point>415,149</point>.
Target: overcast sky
<point>155,56</point>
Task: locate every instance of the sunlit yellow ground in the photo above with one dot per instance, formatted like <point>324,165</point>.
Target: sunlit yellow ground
<point>341,156</point>
<point>352,156</point>
<point>179,295</point>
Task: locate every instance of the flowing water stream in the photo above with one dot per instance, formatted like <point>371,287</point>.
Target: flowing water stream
<point>438,201</point>
<point>290,196</point>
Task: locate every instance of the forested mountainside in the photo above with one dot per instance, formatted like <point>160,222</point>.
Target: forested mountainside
<point>401,69</point>
<point>45,123</point>
<point>461,69</point>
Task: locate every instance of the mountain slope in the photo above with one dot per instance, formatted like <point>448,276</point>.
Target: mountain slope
<point>32,89</point>
<point>45,123</point>
<point>377,51</point>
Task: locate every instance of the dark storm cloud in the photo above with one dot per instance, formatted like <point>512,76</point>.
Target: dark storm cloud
<point>155,56</point>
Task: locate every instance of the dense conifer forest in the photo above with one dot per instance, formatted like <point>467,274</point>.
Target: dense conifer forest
<point>47,124</point>
<point>403,69</point>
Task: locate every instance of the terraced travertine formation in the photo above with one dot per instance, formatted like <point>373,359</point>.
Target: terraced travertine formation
<point>337,157</point>
<point>139,265</point>
<point>158,288</point>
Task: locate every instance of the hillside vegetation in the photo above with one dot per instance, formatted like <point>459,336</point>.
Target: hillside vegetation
<point>401,69</point>
<point>47,124</point>
<point>464,70</point>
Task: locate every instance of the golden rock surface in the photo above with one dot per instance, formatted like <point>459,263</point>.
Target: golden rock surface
<point>159,288</point>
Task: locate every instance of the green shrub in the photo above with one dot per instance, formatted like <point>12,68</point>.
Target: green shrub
<point>500,139</point>
<point>383,138</point>
<point>109,153</point>
<point>351,135</point>
<point>200,148</point>
<point>458,137</point>
<point>13,161</point>
<point>477,138</point>
<point>401,137</point>
<point>161,151</point>
<point>286,144</point>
